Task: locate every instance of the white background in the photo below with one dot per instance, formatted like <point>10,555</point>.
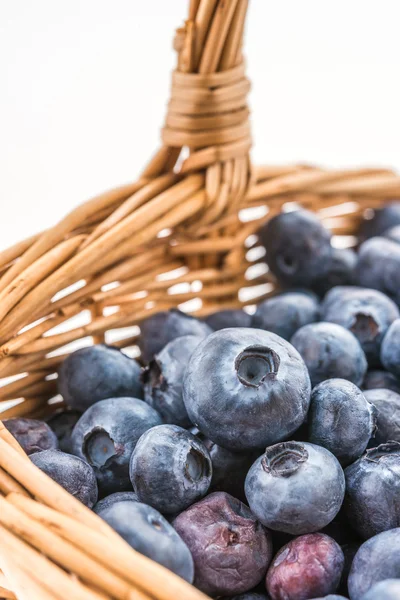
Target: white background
<point>83,86</point>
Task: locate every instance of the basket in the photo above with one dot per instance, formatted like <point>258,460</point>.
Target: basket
<point>191,219</point>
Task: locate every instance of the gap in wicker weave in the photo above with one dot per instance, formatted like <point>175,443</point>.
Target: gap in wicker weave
<point>346,208</point>
<point>71,347</point>
<point>79,320</point>
<point>122,333</point>
<point>69,290</point>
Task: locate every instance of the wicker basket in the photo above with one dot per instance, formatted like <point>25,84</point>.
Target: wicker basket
<point>190,219</point>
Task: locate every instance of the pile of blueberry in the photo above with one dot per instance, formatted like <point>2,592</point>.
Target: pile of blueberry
<point>257,456</point>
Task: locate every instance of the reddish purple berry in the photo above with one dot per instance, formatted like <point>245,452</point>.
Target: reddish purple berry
<point>309,566</point>
<point>32,435</point>
<point>230,548</point>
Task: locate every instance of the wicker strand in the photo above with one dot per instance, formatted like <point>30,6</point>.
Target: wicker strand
<point>19,581</point>
<point>53,578</point>
<point>63,552</point>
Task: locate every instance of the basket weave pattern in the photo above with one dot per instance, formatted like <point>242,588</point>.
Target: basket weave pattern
<point>119,257</point>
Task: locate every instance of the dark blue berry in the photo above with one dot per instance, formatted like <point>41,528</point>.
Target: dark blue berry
<point>148,532</point>
<point>340,271</point>
<point>170,469</point>
<point>387,404</point>
<point>298,247</point>
<point>378,267</point>
<point>96,373</point>
<point>62,423</point>
<point>163,380</point>
<point>228,318</point>
<point>366,313</point>
<point>307,567</point>
<point>159,329</point>
<point>341,419</point>
<point>246,388</point>
<point>230,548</point>
<point>377,559</point>
<point>388,589</point>
<point>381,379</point>
<point>295,487</point>
<point>381,220</point>
<point>31,434</point>
<point>390,352</point>
<point>373,490</point>
<point>335,295</point>
<point>106,435</point>
<point>71,472</point>
<point>285,313</point>
<point>113,499</point>
<point>330,351</point>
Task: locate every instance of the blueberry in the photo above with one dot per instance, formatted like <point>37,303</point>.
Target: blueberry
<point>163,379</point>
<point>170,468</point>
<point>373,490</point>
<point>295,487</point>
<point>229,469</point>
<point>71,472</point>
<point>112,499</point>
<point>393,234</point>
<point>341,419</point>
<point>340,271</point>
<point>285,313</point>
<point>230,548</point>
<point>96,373</point>
<point>62,423</point>
<point>381,379</point>
<point>387,404</point>
<point>246,388</point>
<point>32,435</point>
<point>228,318</point>
<point>106,435</point>
<point>159,329</point>
<point>390,352</point>
<point>366,313</point>
<point>334,295</point>
<point>148,532</point>
<point>377,559</point>
<point>298,247</point>
<point>308,566</point>
<point>388,589</point>
<point>378,267</point>
<point>382,219</point>
<point>330,351</point>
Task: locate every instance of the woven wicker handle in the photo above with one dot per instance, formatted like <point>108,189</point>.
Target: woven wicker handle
<point>208,112</point>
